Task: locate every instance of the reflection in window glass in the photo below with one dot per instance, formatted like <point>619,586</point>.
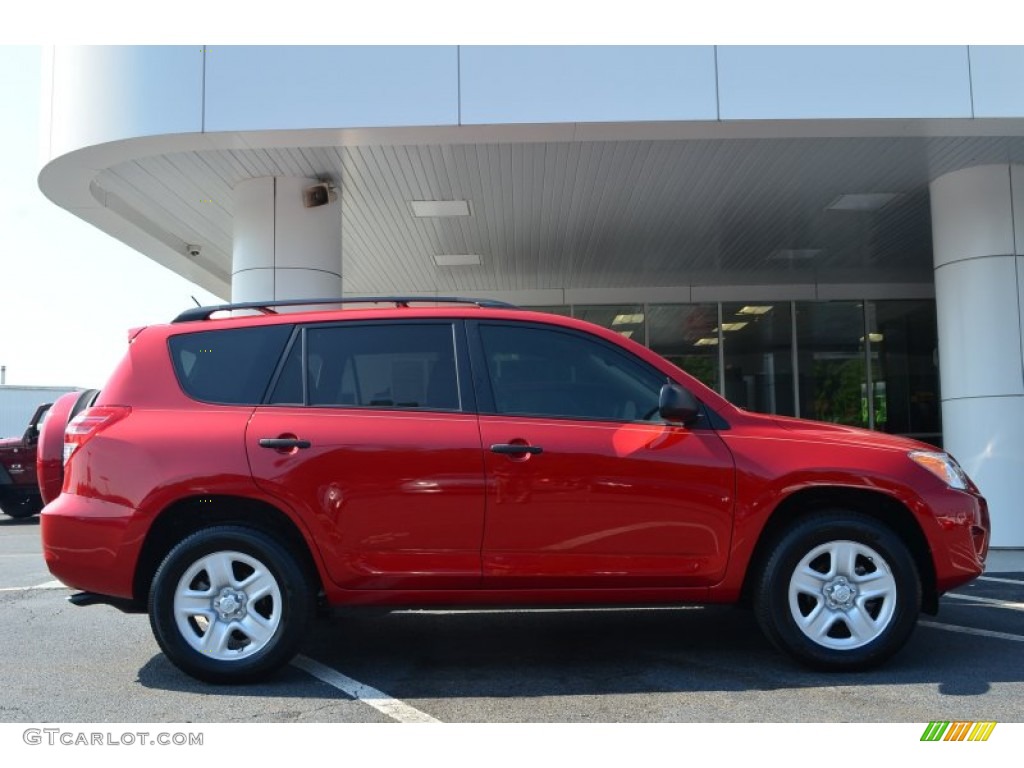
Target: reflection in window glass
<point>904,368</point>
<point>228,366</point>
<point>759,356</point>
<point>627,319</point>
<point>833,373</point>
<point>686,335</point>
<point>756,341</point>
<point>541,372</point>
<point>388,366</point>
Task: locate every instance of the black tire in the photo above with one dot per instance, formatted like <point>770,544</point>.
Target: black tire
<point>230,605</point>
<point>839,591</point>
<point>20,507</point>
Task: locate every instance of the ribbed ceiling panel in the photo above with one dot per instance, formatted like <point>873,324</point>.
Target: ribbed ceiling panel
<point>588,214</point>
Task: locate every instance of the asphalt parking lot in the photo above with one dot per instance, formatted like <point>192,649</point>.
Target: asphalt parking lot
<point>95,664</point>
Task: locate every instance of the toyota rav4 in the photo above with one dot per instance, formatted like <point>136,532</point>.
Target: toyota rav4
<point>237,471</point>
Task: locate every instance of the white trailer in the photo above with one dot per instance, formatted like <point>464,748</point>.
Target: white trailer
<point>17,404</point>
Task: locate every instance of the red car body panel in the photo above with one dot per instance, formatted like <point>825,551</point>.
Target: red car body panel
<point>606,505</point>
<point>50,450</point>
<point>414,520</point>
<point>773,464</point>
<point>412,508</point>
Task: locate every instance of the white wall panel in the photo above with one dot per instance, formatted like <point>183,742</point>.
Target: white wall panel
<point>279,87</point>
<point>997,72</point>
<point>979,328</point>
<point>794,82</point>
<point>106,93</point>
<point>253,242</point>
<point>1017,196</point>
<point>307,284</point>
<point>985,437</point>
<point>309,238</point>
<point>972,214</point>
<point>252,285</point>
<point>556,84</point>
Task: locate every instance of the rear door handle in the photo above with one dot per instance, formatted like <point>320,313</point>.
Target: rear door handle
<point>283,443</point>
<point>515,448</point>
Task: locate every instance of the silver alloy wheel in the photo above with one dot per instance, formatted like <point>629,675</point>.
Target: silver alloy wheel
<point>842,595</point>
<point>227,605</point>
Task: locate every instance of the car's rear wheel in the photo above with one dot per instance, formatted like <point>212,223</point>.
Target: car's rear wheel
<point>230,605</point>
<point>839,591</point>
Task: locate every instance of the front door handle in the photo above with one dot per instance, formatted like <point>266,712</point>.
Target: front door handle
<point>515,449</point>
<point>284,443</point>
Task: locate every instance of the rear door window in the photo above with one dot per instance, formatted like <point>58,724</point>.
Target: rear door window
<point>394,365</point>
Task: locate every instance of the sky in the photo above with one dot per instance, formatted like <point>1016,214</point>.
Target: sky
<point>68,292</point>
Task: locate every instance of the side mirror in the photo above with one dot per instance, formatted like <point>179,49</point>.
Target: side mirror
<point>678,404</point>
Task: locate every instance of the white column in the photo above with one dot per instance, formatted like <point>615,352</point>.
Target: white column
<point>978,234</point>
<point>281,249</point>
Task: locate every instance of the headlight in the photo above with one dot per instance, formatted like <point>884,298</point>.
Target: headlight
<point>943,466</point>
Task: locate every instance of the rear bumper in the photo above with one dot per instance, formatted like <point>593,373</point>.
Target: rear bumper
<point>91,545</point>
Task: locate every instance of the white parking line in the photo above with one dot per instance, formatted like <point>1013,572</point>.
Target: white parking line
<point>1001,580</point>
<point>973,631</point>
<point>44,585</point>
<point>987,601</point>
<point>393,708</point>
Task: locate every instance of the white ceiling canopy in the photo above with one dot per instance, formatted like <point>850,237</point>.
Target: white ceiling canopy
<point>539,207</point>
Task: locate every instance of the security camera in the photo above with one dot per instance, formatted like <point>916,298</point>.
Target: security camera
<point>318,194</point>
<point>193,250</point>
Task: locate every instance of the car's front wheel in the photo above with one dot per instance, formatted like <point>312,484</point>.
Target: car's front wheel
<point>839,591</point>
<point>230,605</point>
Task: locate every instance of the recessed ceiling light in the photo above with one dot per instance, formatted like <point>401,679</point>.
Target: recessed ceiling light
<point>706,342</point>
<point>869,201</point>
<point>456,259</point>
<point>874,338</point>
<point>794,254</point>
<point>731,327</point>
<point>755,310</point>
<point>628,319</point>
<point>429,208</point>
<point>627,334</point>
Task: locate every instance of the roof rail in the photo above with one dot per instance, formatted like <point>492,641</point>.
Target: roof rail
<point>267,307</point>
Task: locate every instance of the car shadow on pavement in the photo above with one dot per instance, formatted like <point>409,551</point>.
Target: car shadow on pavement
<point>422,655</point>
<point>15,522</point>
<point>158,673</point>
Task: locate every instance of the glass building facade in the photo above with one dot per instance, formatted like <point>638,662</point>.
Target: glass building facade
<point>871,364</point>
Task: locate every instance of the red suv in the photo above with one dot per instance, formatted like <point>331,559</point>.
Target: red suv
<point>237,470</point>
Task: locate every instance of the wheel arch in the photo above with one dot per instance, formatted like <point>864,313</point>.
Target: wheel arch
<point>884,508</point>
<point>190,515</point>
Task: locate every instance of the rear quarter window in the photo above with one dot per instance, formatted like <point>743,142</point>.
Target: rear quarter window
<point>231,366</point>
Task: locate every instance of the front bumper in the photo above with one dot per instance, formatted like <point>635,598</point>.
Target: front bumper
<point>960,538</point>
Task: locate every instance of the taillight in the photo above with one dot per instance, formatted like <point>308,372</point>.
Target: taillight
<point>90,423</point>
